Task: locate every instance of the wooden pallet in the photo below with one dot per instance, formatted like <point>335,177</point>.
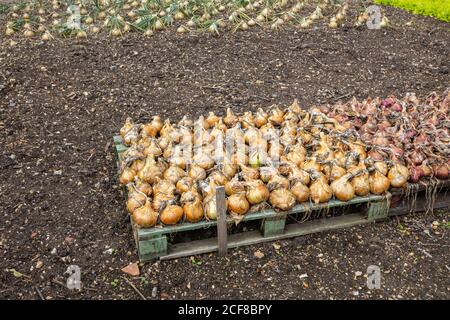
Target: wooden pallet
<point>153,243</point>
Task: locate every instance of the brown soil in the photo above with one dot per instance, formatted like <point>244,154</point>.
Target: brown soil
<point>61,103</point>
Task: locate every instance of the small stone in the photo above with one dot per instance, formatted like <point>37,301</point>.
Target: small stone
<point>320,255</point>
<point>276,246</point>
<point>39,264</point>
<point>53,251</point>
<point>154,292</point>
<point>355,293</point>
<point>259,254</point>
<point>358,274</point>
<point>132,269</point>
<point>303,276</point>
<point>57,172</point>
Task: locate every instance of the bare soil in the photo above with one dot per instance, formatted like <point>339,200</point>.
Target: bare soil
<point>61,103</point>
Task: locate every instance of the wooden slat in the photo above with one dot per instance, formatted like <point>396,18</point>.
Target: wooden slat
<point>442,201</point>
<point>221,207</point>
<point>255,237</point>
<point>269,213</point>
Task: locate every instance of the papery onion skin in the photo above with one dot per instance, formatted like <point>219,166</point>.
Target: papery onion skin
<point>378,183</point>
<point>193,211</point>
<point>282,199</point>
<point>184,184</point>
<point>135,200</point>
<point>127,176</point>
<point>301,192</point>
<point>237,203</point>
<point>234,186</point>
<point>145,216</point>
<point>342,189</point>
<point>398,176</point>
<point>257,192</point>
<point>320,192</point>
<point>171,214</point>
<point>174,174</point>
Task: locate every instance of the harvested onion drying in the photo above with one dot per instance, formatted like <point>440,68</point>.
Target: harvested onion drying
<point>279,158</point>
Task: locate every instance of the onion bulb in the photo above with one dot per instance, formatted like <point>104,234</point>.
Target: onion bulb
<point>278,181</point>
<point>360,183</point>
<point>203,160</point>
<point>126,127</point>
<point>378,183</point>
<point>212,119</point>
<point>300,192</point>
<point>171,214</point>
<point>398,175</point>
<point>320,191</point>
<point>145,216</point>
<point>249,173</point>
<point>282,199</point>
<point>234,186</point>
<point>276,117</point>
<point>193,211</point>
<point>266,173</point>
<point>160,200</point>
<point>342,189</point>
<point>237,203</point>
<point>150,171</point>
<point>230,119</point>
<point>143,187</point>
<point>163,186</point>
<point>229,169</point>
<point>440,171</point>
<point>174,173</point>
<point>197,173</point>
<point>261,118</point>
<point>218,178</point>
<point>127,176</point>
<point>257,192</point>
<point>184,184</point>
<point>135,200</point>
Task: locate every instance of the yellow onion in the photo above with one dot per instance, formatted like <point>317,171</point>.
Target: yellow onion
<point>174,173</point>
<point>184,184</point>
<point>210,207</point>
<point>197,173</point>
<point>297,155</point>
<point>137,165</point>
<point>261,118</point>
<point>126,127</point>
<point>230,119</point>
<point>311,164</point>
<point>266,173</point>
<point>162,165</point>
<point>229,169</point>
<point>257,158</point>
<point>239,158</point>
<point>238,204</point>
<point>161,200</point>
<point>398,175</point>
<point>361,183</point>
<point>218,177</point>
<point>234,186</point>
<point>163,186</point>
<point>166,129</point>
<point>378,183</point>
<point>190,195</point>
<point>276,116</point>
<point>300,192</point>
<point>251,134</point>
<point>212,119</point>
<point>164,142</point>
<point>381,166</point>
<point>278,181</point>
<point>153,149</point>
<point>299,175</point>
<point>342,189</point>
<point>143,187</point>
<point>135,200</point>
<point>248,173</point>
<point>336,172</point>
<point>295,107</point>
<point>150,171</point>
<point>247,120</point>
<point>152,128</point>
<point>282,199</point>
<point>145,216</point>
<point>320,191</point>
<point>193,211</point>
<point>257,192</point>
<point>178,161</point>
<point>127,176</point>
<point>132,136</point>
<point>276,149</point>
<point>203,160</point>
<point>201,123</point>
<point>171,214</point>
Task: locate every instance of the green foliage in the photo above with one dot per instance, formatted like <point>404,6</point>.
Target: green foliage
<point>3,8</point>
<point>436,8</point>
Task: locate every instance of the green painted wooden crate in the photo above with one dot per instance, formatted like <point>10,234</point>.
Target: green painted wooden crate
<point>153,243</point>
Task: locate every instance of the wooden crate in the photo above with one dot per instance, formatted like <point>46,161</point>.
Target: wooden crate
<point>154,243</point>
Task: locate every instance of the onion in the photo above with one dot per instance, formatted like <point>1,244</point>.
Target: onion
<point>153,127</point>
<point>210,207</point>
<point>127,176</point>
<point>144,216</point>
<point>150,171</point>
<point>342,189</point>
<point>212,119</point>
<point>197,173</point>
<point>381,166</point>
<point>257,192</point>
<point>378,183</point>
<point>249,173</point>
<point>230,119</point>
<point>299,175</point>
<point>398,175</point>
<point>361,184</point>
<point>248,121</point>
<point>143,187</point>
<point>184,184</point>
<point>320,190</point>
<point>229,169</point>
<point>336,172</point>
<point>135,200</point>
<point>171,214</point>
<point>282,199</point>
<point>278,181</point>
<point>266,173</point>
<point>297,155</point>
<point>163,186</point>
<point>261,118</point>
<point>238,204</point>
<point>203,160</point>
<point>161,200</point>
<point>234,186</point>
<point>440,171</point>
<point>190,196</point>
<point>126,127</point>
<point>300,192</point>
<point>218,178</point>
<point>416,173</point>
<point>132,136</point>
<point>174,173</point>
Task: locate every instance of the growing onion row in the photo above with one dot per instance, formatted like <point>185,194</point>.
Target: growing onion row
<point>49,18</point>
<point>274,159</point>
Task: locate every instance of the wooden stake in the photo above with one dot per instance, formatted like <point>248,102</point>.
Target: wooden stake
<point>221,208</point>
